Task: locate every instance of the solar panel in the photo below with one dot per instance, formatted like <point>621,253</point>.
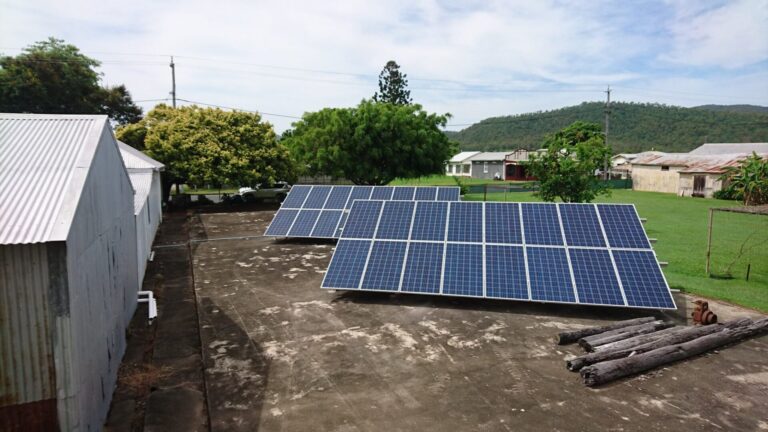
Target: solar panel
<point>560,253</point>
<point>323,197</point>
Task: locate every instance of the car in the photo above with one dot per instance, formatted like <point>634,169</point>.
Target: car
<point>262,192</point>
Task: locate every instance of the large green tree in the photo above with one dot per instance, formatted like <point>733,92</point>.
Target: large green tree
<point>52,77</point>
<point>206,146</point>
<point>393,86</point>
<point>567,169</point>
<point>373,143</point>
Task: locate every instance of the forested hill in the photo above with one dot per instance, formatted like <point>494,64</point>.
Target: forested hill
<point>634,127</point>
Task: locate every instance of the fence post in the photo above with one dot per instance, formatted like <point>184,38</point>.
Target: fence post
<point>485,191</point>
<point>709,238</point>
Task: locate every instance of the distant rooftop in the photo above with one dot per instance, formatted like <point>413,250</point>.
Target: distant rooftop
<point>730,148</point>
<point>461,157</point>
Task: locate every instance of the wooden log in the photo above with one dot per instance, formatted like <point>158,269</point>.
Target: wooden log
<point>638,340</point>
<point>591,342</point>
<point>568,337</point>
<point>589,339</point>
<point>608,371</point>
<point>679,335</point>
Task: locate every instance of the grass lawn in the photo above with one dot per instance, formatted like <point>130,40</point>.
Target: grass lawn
<point>202,191</point>
<point>680,225</point>
<point>444,180</point>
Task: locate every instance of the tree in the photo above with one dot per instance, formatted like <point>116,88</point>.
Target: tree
<point>393,86</point>
<point>748,181</point>
<point>373,143</point>
<point>55,78</point>
<point>567,169</point>
<point>206,146</point>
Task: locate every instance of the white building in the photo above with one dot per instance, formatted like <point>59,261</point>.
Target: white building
<point>460,164</point>
<point>144,173</point>
<point>68,278</point>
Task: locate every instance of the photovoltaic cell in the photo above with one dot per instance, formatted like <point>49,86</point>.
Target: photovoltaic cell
<point>359,193</point>
<point>404,193</point>
<point>541,224</point>
<point>549,275</point>
<point>622,226</point>
<point>641,277</point>
<point>448,194</point>
<point>502,223</point>
<point>425,194</point>
<point>429,221</point>
<point>337,200</point>
<point>395,221</point>
<point>362,222</point>
<point>465,222</point>
<point>317,197</point>
<point>282,222</point>
<point>581,226</point>
<point>350,257</point>
<point>384,266</point>
<point>463,270</point>
<point>382,193</point>
<point>296,197</point>
<point>595,277</point>
<point>506,272</point>
<point>327,223</point>
<point>423,268</point>
<point>305,221</point>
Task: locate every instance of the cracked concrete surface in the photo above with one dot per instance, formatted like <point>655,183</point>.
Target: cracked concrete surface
<point>282,354</point>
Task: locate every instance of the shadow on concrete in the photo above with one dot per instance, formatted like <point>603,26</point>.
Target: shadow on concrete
<point>605,313</point>
<point>236,370</point>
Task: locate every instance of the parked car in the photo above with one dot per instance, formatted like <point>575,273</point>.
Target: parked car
<point>277,192</point>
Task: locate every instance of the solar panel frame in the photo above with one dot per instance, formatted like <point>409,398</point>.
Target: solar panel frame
<point>450,246</point>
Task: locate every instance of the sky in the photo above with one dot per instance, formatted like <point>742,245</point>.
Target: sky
<point>472,59</point>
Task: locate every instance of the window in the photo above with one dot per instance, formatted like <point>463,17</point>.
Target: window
<point>485,167</point>
<point>455,169</point>
<point>466,169</point>
<point>665,167</point>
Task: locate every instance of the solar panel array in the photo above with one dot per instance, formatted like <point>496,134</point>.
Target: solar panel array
<point>594,254</point>
<point>321,211</point>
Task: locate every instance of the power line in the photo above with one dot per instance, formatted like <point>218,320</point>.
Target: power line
<point>238,109</point>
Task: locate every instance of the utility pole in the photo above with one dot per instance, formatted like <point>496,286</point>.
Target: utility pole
<point>607,127</point>
<point>173,82</point>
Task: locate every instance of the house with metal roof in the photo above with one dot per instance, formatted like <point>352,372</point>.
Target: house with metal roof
<point>68,282</point>
<point>501,165</point>
<point>459,165</point>
<point>144,173</point>
<point>696,173</point>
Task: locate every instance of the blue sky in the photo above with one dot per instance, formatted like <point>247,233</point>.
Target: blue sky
<point>472,59</point>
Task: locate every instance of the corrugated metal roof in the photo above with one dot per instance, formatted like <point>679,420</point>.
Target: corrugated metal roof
<point>39,157</point>
<point>136,160</point>
<point>730,148</point>
<point>142,183</point>
<point>711,164</point>
<point>491,156</point>
<point>461,157</point>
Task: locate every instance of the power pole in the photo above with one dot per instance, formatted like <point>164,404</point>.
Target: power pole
<point>173,82</point>
<point>607,127</point>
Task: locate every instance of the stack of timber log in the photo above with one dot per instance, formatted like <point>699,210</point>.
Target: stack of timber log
<point>634,346</point>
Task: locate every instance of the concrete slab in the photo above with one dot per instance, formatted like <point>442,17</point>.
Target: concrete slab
<point>282,354</point>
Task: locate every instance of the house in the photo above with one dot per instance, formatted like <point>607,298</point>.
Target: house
<point>515,165</point>
<point>144,173</point>
<point>621,164</point>
<point>488,165</point>
<point>68,282</point>
<point>696,173</point>
<point>459,165</point>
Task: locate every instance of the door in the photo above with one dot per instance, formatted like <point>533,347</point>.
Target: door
<point>699,181</point>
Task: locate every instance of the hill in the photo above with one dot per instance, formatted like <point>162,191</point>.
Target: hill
<point>634,127</point>
<point>735,108</point>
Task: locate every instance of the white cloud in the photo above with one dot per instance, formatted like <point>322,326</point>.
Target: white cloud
<point>730,36</point>
<point>498,57</point>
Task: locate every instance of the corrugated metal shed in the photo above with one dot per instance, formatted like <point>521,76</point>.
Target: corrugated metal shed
<point>43,161</point>
<point>136,160</point>
<point>142,183</point>
<point>694,163</point>
<point>729,148</point>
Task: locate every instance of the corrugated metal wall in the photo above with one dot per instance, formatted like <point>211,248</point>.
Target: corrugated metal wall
<point>478,170</point>
<point>27,375</point>
<point>147,222</point>
<point>653,179</point>
<point>102,276</point>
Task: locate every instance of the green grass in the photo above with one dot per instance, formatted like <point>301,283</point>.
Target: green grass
<point>204,191</point>
<point>680,225</point>
<point>444,180</point>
